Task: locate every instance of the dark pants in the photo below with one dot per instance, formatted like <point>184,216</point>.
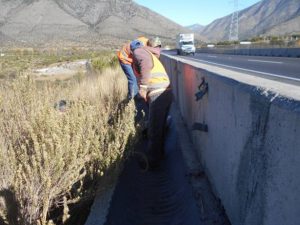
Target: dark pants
<point>159,105</point>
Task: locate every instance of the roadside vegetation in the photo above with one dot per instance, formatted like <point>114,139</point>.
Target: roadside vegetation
<point>59,141</point>
<point>15,62</point>
<point>291,41</point>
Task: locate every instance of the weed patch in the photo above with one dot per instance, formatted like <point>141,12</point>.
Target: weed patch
<point>50,159</point>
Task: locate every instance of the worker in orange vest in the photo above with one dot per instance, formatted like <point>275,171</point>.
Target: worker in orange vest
<point>154,88</point>
<point>125,59</point>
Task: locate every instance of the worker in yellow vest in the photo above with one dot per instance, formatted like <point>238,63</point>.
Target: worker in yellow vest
<point>125,59</point>
<point>154,88</point>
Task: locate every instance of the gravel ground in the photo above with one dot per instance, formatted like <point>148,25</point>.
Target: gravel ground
<point>64,68</point>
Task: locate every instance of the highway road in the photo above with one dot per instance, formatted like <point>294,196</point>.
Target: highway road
<point>275,68</point>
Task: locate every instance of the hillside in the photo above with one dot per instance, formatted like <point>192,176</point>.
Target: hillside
<point>4,38</point>
<point>101,22</point>
<point>267,17</point>
<point>196,28</point>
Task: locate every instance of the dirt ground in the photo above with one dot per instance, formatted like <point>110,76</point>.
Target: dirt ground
<point>62,70</point>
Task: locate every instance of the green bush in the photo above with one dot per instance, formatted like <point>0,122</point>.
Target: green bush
<point>102,62</point>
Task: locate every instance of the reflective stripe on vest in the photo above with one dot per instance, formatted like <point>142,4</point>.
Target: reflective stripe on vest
<point>158,73</point>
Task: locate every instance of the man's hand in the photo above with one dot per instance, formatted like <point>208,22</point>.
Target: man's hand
<point>143,92</point>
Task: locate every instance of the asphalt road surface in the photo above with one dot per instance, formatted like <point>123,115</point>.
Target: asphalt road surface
<point>275,68</point>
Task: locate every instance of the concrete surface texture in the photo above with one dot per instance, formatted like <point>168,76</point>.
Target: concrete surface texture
<point>162,196</point>
<point>251,150</point>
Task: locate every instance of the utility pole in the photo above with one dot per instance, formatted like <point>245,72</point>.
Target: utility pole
<point>234,25</point>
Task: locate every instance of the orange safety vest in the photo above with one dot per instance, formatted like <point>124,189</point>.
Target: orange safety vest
<point>158,75</point>
<point>124,54</point>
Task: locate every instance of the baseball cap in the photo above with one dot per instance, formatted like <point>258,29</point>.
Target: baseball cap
<point>135,44</point>
<point>154,42</point>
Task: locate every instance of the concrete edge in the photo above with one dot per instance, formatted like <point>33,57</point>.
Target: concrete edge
<point>283,94</point>
<point>101,205</point>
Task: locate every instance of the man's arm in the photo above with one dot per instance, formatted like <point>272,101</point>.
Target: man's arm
<point>143,64</point>
<point>154,51</point>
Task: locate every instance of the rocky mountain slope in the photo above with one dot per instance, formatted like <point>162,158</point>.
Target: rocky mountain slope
<point>39,21</point>
<point>196,27</point>
<point>267,17</point>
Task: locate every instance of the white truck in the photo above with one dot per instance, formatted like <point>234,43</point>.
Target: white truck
<point>185,44</point>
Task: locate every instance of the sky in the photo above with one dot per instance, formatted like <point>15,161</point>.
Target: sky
<point>189,12</point>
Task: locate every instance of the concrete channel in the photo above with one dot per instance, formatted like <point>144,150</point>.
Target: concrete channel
<point>178,193</point>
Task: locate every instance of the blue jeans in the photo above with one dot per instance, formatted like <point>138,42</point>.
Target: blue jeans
<point>132,83</point>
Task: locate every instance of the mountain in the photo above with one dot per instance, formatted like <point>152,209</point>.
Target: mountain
<point>267,17</point>
<point>196,27</point>
<point>102,22</point>
<point>4,38</point>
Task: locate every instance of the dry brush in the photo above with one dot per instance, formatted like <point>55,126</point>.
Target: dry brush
<point>48,154</point>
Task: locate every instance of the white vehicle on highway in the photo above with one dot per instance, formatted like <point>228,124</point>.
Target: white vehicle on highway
<point>185,44</point>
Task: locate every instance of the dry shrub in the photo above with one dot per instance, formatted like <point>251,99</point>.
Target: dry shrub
<point>46,154</point>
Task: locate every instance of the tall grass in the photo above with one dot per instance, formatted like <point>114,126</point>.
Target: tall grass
<point>47,155</point>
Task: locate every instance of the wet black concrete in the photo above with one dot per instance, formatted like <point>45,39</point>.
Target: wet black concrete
<point>159,197</point>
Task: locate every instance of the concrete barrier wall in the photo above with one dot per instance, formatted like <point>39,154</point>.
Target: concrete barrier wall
<point>251,152</point>
<point>278,52</point>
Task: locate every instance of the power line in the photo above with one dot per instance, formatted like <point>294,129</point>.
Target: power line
<point>234,25</point>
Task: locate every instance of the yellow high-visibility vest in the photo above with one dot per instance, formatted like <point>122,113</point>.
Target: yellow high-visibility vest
<point>158,73</point>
